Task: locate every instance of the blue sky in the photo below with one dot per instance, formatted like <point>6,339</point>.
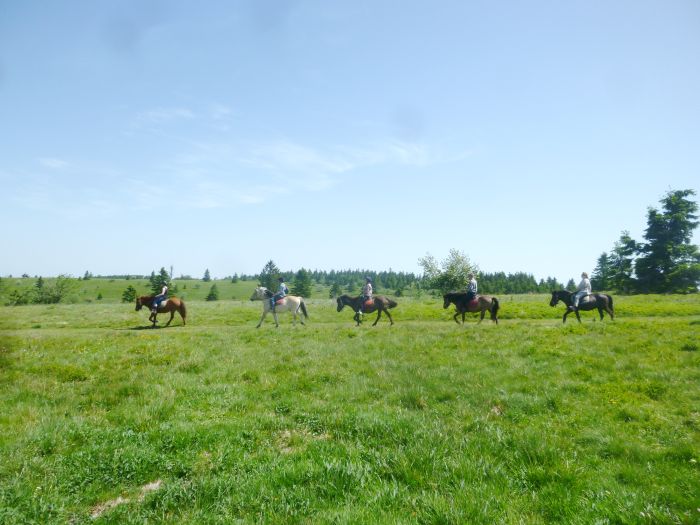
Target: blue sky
<point>334,135</point>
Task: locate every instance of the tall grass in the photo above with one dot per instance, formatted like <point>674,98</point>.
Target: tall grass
<point>530,421</point>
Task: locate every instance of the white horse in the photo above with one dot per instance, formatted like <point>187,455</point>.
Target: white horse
<point>290,303</point>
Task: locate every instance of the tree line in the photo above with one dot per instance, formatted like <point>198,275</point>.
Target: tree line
<point>664,262</point>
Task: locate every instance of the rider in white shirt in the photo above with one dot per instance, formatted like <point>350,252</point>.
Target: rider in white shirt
<point>584,289</point>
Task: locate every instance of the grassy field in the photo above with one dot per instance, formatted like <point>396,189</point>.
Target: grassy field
<point>105,421</point>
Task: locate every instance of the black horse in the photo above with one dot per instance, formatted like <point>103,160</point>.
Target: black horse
<point>600,301</point>
<point>482,303</point>
<point>378,303</point>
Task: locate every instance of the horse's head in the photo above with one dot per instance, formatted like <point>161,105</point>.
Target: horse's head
<point>555,299</point>
<point>260,294</point>
<point>341,303</point>
<point>139,304</point>
<point>447,300</point>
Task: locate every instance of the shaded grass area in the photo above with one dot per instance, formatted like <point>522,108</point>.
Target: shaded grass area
<point>423,422</point>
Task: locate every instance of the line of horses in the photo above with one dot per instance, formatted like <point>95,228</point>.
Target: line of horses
<point>382,304</point>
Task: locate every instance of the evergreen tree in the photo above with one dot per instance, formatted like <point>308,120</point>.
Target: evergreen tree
<point>621,261</point>
<point>600,278</point>
<point>129,295</point>
<point>302,285</point>
<point>668,261</point>
<point>207,276</point>
<point>234,279</point>
<point>571,286</point>
<point>158,281</point>
<point>335,291</point>
<point>269,275</point>
<point>213,294</point>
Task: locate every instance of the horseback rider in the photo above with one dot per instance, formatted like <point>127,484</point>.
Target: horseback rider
<point>366,294</point>
<point>471,288</point>
<point>162,296</point>
<point>282,292</point>
<point>583,290</point>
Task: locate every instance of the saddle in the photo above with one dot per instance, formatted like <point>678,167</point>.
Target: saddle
<point>368,303</point>
<point>586,298</point>
<point>281,301</point>
<point>474,302</point>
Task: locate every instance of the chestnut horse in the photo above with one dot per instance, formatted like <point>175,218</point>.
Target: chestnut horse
<point>378,303</point>
<point>290,303</point>
<point>600,301</point>
<point>171,304</point>
<point>482,303</point>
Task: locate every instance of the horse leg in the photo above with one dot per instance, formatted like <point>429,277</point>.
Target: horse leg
<point>600,311</point>
<point>172,314</point>
<point>565,314</point>
<point>482,315</point>
<point>578,316</point>
<point>274,314</point>
<point>356,318</point>
<point>262,318</point>
<point>457,315</point>
<point>379,314</point>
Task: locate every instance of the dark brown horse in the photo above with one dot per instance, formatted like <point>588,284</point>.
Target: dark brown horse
<point>378,303</point>
<point>171,304</point>
<point>482,303</point>
<point>600,301</point>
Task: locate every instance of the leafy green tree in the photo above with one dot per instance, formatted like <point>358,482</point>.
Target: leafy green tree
<point>54,292</point>
<point>600,278</point>
<point>450,275</point>
<point>269,275</point>
<point>234,279</point>
<point>668,262</point>
<point>213,294</point>
<point>87,276</point>
<point>159,280</point>
<point>621,261</point>
<point>207,276</point>
<point>302,285</point>
<point>129,295</point>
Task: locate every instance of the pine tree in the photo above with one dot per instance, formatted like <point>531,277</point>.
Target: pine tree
<point>213,294</point>
<point>668,261</point>
<point>335,291</point>
<point>207,276</point>
<point>571,285</point>
<point>621,261</point>
<point>269,275</point>
<point>302,285</point>
<point>129,295</point>
<point>158,281</point>
<point>600,278</point>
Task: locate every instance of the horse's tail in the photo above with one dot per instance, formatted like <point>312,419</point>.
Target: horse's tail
<point>391,303</point>
<point>303,309</point>
<point>494,309</point>
<point>610,302</point>
<point>183,311</point>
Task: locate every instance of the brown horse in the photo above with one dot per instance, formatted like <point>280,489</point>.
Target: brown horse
<point>482,303</point>
<point>378,303</point>
<point>600,301</point>
<point>171,304</point>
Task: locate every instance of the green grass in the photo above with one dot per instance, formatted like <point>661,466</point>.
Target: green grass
<point>530,421</point>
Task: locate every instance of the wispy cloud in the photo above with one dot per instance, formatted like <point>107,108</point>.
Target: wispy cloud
<point>163,115</point>
<point>53,163</point>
